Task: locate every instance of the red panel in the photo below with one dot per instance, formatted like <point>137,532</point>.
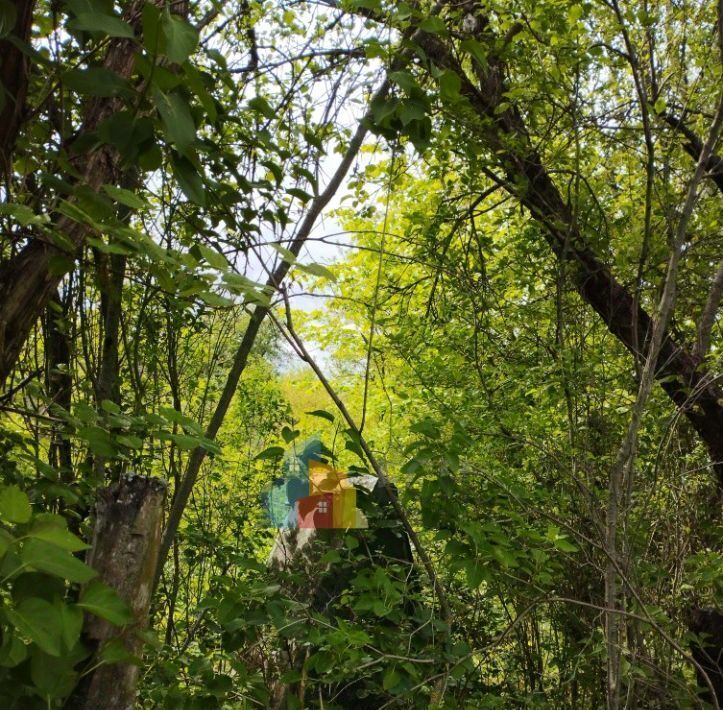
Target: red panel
<point>316,511</point>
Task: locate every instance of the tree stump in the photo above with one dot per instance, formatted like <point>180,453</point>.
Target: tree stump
<point>124,552</point>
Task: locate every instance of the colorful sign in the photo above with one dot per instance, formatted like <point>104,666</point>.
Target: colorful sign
<point>312,494</point>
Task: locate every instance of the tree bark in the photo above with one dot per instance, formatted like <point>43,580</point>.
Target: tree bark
<point>124,552</point>
<point>14,76</point>
<point>708,315</point>
<point>111,274</point>
<point>59,382</point>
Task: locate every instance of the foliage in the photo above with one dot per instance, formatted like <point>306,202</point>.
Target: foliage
<point>162,238</point>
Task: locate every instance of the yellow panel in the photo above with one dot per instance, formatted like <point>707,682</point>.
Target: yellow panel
<point>345,507</point>
<point>323,478</point>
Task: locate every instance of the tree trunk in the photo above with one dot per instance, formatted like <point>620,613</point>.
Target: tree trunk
<point>59,382</point>
<point>124,553</point>
<point>111,274</point>
<point>14,75</point>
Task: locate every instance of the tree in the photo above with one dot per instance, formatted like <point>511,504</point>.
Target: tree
<point>488,230</point>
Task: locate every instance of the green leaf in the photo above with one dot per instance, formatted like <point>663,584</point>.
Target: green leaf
<point>214,300</point>
<point>288,255</point>
<point>449,85</point>
<point>574,14</point>
<point>13,651</point>
<point>14,505</point>
<point>189,180</point>
<point>273,452</point>
<point>476,573</point>
<point>289,434</point>
<point>125,197</point>
<point>6,540</point>
<point>101,600</point>
<point>71,619</point>
<point>151,22</point>
<point>132,442</point>
<point>178,124</point>
<point>100,22</point>
<point>300,194</point>
<point>194,82</point>
<point>404,80</point>
<point>391,679</point>
<point>8,15</point>
<point>433,25</point>
<point>115,652</point>
<point>54,677</point>
<point>330,557</point>
<point>374,5</point>
<point>250,289</point>
<point>95,81</point>
<point>41,622</point>
<point>98,439</point>
<point>412,110</point>
<point>382,109</point>
<point>110,406</point>
<point>317,270</point>
<point>129,133</point>
<point>46,557</point>
<point>323,414</point>
<point>476,49</point>
<point>213,257</point>
<point>564,545</point>
<point>57,535</point>
<point>412,465</point>
<point>186,442</point>
<point>22,213</point>
<point>356,448</point>
<point>181,38</point>
<point>260,105</point>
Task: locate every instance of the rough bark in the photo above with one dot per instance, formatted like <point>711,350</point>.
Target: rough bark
<point>111,273</point>
<point>124,552</point>
<point>14,76</point>
<point>59,382</point>
<point>708,315</point>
